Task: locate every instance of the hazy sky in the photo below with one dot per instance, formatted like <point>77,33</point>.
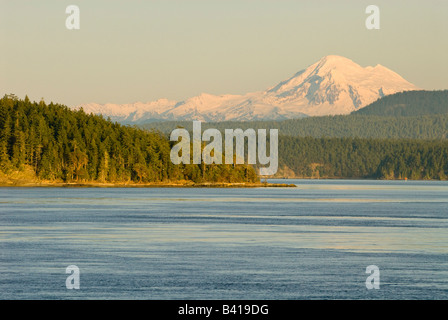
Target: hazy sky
<point>128,51</point>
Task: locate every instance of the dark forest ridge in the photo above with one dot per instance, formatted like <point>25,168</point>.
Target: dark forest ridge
<point>363,158</point>
<point>409,104</point>
<point>361,126</point>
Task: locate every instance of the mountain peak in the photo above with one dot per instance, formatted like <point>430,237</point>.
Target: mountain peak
<point>336,85</point>
<point>335,62</point>
<point>334,59</point>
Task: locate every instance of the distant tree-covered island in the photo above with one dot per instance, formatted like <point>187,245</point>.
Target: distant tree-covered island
<point>361,158</point>
<point>48,144</point>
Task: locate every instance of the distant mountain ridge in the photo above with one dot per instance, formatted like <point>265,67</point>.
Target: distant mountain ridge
<point>333,85</point>
<point>409,104</point>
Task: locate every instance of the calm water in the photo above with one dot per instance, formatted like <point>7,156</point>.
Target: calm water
<point>310,242</point>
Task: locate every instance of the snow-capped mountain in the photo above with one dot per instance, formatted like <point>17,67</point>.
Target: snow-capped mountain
<point>333,85</point>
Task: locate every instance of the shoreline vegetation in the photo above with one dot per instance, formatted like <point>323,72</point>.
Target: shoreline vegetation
<point>20,181</point>
<point>27,179</point>
<point>146,185</point>
<point>170,184</point>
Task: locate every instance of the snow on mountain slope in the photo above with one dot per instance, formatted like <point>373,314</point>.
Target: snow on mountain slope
<point>129,113</point>
<point>333,85</point>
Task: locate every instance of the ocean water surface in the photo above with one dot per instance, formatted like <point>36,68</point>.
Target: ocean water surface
<point>310,242</point>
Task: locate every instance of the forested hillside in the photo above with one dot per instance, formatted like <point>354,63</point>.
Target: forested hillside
<point>363,158</point>
<point>59,144</point>
<point>409,103</point>
<point>360,126</point>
